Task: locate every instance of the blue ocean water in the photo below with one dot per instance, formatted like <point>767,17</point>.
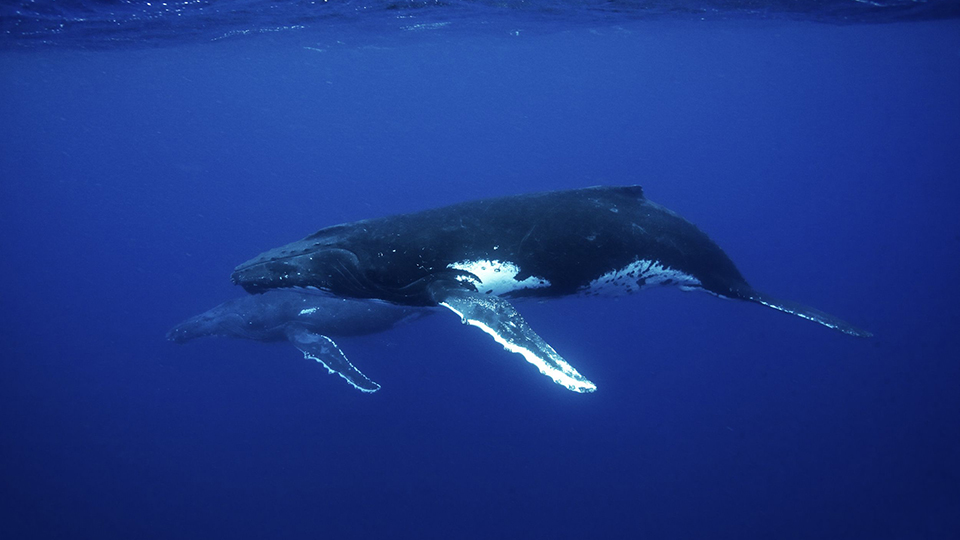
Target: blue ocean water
<point>148,148</point>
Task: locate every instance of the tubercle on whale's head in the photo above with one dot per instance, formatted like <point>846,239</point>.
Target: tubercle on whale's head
<point>300,264</point>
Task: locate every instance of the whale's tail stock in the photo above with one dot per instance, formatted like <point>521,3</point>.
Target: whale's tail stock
<point>804,312</point>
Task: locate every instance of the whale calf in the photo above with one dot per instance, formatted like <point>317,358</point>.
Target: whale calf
<point>306,319</point>
<point>472,257</point>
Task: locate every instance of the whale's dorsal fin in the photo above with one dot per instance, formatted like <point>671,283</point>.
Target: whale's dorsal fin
<point>325,351</point>
<point>498,318</point>
<point>633,191</point>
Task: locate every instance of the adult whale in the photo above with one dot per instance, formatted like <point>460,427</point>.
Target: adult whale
<point>470,257</point>
<point>306,319</point>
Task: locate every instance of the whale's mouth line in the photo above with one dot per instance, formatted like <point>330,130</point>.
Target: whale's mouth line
<point>265,259</point>
<point>324,268</point>
<point>337,272</point>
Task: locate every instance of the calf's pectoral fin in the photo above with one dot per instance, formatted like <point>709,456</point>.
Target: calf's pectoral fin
<point>496,317</point>
<point>806,312</point>
<point>325,351</point>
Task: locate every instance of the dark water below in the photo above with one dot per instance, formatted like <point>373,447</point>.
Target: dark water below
<point>133,178</point>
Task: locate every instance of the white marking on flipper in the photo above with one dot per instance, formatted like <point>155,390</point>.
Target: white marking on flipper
<point>498,277</point>
<point>497,318</point>
<point>323,349</point>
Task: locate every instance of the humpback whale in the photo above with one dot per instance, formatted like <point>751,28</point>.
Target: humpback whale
<point>306,319</point>
<point>473,257</point>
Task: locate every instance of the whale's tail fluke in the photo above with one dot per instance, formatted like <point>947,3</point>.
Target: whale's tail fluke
<point>804,312</point>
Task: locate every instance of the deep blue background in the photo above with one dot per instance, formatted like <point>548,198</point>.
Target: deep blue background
<point>824,159</point>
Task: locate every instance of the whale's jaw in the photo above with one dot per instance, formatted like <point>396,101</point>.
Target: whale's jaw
<point>293,266</point>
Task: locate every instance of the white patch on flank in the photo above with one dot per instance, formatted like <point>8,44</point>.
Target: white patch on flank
<point>308,311</point>
<point>637,275</point>
<point>498,277</point>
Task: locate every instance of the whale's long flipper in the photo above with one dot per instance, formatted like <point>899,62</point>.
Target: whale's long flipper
<point>805,312</point>
<point>500,320</point>
<point>325,351</point>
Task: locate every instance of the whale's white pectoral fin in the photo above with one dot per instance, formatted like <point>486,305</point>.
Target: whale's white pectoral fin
<point>500,320</point>
<point>322,349</point>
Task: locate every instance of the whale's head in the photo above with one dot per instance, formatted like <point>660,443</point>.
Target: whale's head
<point>285,267</point>
<point>317,262</point>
